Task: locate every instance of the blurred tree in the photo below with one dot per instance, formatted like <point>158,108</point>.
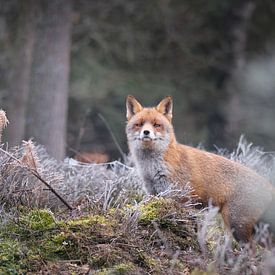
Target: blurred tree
<point>242,13</point>
<point>211,56</point>
<point>48,99</point>
<point>18,87</point>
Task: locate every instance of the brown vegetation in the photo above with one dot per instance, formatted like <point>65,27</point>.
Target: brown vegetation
<point>3,122</point>
<point>91,157</point>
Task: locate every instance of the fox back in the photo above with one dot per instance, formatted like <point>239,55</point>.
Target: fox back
<point>243,197</point>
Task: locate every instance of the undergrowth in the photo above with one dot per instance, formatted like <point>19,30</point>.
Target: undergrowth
<point>113,226</point>
<point>101,240</point>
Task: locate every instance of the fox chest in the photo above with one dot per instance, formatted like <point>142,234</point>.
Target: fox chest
<point>155,175</point>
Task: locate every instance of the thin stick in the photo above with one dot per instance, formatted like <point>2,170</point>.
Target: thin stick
<point>35,173</point>
<point>112,135</point>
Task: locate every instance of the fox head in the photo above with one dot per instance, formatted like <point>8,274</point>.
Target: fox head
<point>149,128</point>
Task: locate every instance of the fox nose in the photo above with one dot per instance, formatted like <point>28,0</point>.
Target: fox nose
<point>146,132</point>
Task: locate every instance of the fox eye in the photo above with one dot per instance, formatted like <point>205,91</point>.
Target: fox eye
<point>138,124</point>
<point>156,125</point>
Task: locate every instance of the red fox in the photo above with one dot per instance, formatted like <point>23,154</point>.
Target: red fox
<point>244,198</point>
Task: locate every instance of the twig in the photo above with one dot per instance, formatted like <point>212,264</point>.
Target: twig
<point>35,173</point>
<point>112,135</point>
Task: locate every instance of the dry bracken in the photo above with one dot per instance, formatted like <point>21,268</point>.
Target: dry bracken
<point>3,122</point>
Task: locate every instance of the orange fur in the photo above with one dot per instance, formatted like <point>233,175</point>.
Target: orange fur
<point>243,196</point>
<point>91,157</point>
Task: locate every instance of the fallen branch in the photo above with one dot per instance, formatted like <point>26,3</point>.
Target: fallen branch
<point>36,174</point>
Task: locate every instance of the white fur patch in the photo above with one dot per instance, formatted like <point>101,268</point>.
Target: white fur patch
<point>148,158</point>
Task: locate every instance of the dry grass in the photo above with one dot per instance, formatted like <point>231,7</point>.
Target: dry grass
<point>3,122</point>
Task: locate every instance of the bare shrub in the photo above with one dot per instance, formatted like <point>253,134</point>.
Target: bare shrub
<point>110,182</point>
<point>253,157</point>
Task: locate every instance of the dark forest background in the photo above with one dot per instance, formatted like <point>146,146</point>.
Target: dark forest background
<point>66,67</point>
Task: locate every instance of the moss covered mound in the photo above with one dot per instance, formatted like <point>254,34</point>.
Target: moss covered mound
<point>151,237</point>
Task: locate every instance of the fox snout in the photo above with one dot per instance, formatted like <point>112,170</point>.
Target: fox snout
<point>147,134</point>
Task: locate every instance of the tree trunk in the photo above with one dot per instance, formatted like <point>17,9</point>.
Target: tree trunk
<point>50,77</point>
<point>21,68</point>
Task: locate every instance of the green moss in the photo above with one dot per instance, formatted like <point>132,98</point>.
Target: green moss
<point>151,210</point>
<point>35,220</point>
<point>98,226</point>
<point>10,254</point>
<point>119,269</point>
<point>40,219</point>
<point>106,256</point>
<point>72,239</point>
<point>123,268</point>
<point>57,245</point>
<point>150,261</point>
<point>62,246</point>
<point>98,241</point>
<point>87,221</point>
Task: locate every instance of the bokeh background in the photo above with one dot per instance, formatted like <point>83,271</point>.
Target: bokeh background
<point>66,67</point>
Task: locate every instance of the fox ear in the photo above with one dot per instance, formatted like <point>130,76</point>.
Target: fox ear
<point>165,107</point>
<point>132,106</point>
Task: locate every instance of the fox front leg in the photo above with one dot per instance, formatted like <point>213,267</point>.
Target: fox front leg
<point>157,184</point>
